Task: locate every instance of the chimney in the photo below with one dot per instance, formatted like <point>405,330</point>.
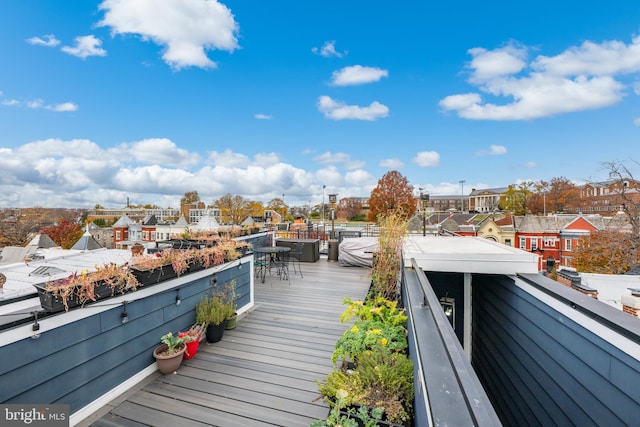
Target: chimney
<point>631,303</point>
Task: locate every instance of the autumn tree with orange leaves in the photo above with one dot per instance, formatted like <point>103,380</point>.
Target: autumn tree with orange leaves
<point>392,195</point>
<point>605,252</point>
<point>65,234</point>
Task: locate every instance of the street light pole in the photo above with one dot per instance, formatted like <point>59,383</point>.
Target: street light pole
<point>332,200</point>
<point>323,187</point>
<point>424,200</point>
<point>462,181</point>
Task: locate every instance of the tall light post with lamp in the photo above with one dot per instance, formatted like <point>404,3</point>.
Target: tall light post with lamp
<point>462,181</point>
<point>323,187</point>
<point>424,201</point>
<point>332,201</point>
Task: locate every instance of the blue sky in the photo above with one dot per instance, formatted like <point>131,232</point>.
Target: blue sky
<point>104,100</point>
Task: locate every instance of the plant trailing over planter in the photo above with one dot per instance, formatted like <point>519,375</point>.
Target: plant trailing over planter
<point>79,289</point>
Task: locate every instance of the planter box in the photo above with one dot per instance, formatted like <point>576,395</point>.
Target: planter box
<point>157,275</point>
<point>53,304</point>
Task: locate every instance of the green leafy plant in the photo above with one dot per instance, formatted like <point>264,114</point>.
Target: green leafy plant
<point>172,342</point>
<point>378,308</point>
<point>341,416</point>
<point>379,322</point>
<point>367,335</point>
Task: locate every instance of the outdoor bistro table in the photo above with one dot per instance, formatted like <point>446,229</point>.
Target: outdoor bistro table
<point>268,257</point>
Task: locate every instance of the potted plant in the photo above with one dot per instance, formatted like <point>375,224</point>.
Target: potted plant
<point>169,354</point>
<point>212,311</point>
<point>192,339</point>
<point>232,314</point>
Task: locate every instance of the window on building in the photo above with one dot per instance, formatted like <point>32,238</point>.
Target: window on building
<point>153,236</point>
<point>523,243</point>
<point>534,244</point>
<point>507,242</point>
<point>118,235</point>
<point>567,245</point>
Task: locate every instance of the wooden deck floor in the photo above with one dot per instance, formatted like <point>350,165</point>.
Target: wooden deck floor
<point>263,372</point>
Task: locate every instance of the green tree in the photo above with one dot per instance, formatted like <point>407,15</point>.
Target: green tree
<point>516,196</point>
<point>392,195</point>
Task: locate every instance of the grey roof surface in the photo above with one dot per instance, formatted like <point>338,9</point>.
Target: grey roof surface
<point>124,221</point>
<point>86,243</point>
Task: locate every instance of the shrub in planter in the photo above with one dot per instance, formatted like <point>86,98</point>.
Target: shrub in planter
<point>212,311</point>
<point>382,379</point>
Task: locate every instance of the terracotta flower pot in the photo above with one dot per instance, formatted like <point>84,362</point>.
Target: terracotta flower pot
<point>168,364</point>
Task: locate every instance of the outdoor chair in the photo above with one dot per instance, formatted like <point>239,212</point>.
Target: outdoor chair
<point>295,256</point>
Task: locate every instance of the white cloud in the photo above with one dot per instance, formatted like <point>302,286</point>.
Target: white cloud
<point>339,158</point>
<point>341,111</point>
<point>357,75</point>
<point>85,46</point>
<point>228,158</point>
<point>494,150</point>
<point>48,40</point>
<point>580,78</point>
<point>54,172</point>
<point>360,178</point>
<point>35,104</point>
<point>266,159</point>
<point>64,107</point>
<point>391,164</point>
<point>427,159</point>
<point>161,151</point>
<point>530,165</point>
<point>328,49</point>
<point>261,116</point>
<point>185,28</point>
<point>39,103</point>
<point>636,121</point>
